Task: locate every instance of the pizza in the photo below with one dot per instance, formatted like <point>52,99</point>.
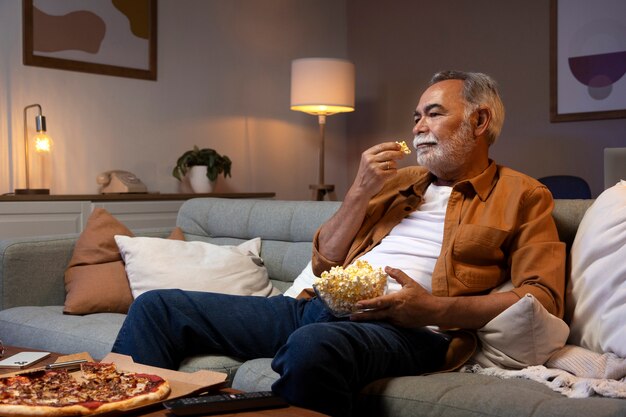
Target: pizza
<point>100,388</point>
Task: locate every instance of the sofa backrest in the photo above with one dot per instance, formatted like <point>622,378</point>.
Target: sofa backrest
<point>286,229</point>
<point>567,216</point>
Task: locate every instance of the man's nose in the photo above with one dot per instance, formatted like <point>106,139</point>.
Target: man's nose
<point>419,127</point>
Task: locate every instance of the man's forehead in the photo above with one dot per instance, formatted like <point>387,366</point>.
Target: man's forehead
<point>441,94</point>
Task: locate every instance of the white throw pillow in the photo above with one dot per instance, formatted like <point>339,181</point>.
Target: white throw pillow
<point>525,334</point>
<point>596,296</point>
<point>302,281</point>
<point>153,263</point>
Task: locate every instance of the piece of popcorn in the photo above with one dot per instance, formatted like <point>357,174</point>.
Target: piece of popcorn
<point>342,288</point>
<point>404,146</point>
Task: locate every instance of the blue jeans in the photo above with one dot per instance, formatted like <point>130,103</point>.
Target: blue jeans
<point>322,361</point>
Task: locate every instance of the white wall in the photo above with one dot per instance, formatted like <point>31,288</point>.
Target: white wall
<point>223,82</point>
<point>398,45</point>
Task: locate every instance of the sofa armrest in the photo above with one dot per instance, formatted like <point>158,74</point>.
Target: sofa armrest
<point>32,270</point>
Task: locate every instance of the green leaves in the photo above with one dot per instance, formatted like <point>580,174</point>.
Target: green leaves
<point>216,163</point>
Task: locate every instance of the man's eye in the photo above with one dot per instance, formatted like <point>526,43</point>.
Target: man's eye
<point>434,114</point>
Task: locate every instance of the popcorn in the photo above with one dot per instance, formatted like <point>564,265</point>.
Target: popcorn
<point>342,288</point>
<point>404,146</point>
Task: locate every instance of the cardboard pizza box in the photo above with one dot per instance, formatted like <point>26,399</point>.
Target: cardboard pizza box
<point>182,383</point>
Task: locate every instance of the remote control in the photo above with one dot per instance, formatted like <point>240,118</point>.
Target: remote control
<point>223,403</point>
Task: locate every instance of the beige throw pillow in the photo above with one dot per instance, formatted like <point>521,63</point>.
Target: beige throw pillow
<point>525,334</point>
<point>197,266</point>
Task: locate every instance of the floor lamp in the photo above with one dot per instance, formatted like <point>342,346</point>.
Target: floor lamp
<point>322,87</point>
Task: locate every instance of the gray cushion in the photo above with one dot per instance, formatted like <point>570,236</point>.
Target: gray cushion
<point>450,394</point>
<point>462,395</point>
<point>217,363</point>
<point>285,227</point>
<point>255,375</point>
<point>47,328</point>
<point>567,216</point>
<point>32,271</point>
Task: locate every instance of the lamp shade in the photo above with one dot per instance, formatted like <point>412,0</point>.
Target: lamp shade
<point>322,86</point>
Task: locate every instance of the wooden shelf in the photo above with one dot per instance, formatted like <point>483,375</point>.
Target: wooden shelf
<point>128,196</point>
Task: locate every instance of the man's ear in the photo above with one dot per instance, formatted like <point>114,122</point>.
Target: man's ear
<point>482,121</point>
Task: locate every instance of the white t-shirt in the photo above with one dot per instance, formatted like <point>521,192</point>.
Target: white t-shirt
<point>414,244</point>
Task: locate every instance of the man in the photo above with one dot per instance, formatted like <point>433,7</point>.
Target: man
<point>448,233</point>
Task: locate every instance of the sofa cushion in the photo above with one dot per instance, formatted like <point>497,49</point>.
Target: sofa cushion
<point>218,363</point>
<point>596,295</point>
<point>95,279</point>
<point>286,228</point>
<point>470,395</point>
<point>47,328</point>
<point>255,375</point>
<point>153,263</point>
<point>451,394</point>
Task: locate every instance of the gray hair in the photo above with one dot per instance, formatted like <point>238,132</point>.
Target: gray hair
<point>478,90</point>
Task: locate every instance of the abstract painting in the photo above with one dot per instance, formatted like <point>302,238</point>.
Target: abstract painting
<point>111,37</point>
<point>588,60</point>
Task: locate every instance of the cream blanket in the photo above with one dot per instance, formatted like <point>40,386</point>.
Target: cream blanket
<point>573,371</point>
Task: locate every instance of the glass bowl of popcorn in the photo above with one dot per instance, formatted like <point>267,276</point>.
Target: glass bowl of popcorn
<point>340,289</point>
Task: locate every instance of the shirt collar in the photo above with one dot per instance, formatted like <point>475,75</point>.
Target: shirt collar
<point>483,183</point>
<point>418,188</point>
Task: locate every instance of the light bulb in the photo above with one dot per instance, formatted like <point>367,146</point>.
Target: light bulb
<point>42,142</point>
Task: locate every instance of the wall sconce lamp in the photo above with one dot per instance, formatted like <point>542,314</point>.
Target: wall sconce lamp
<point>322,87</point>
<point>41,145</point>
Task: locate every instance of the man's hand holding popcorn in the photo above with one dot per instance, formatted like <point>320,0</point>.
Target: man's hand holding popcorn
<point>412,306</point>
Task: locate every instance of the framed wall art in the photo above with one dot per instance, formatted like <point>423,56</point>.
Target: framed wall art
<point>116,37</point>
<point>587,60</point>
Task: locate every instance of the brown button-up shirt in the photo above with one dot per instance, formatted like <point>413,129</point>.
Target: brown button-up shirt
<point>498,227</point>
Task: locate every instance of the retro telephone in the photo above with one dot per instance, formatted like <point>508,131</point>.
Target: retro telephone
<point>118,181</point>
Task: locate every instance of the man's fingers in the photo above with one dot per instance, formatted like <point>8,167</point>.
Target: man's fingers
<point>397,274</point>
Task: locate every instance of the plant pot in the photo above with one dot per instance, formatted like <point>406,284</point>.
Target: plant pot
<point>198,180</point>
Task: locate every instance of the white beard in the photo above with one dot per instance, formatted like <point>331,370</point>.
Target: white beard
<point>447,156</point>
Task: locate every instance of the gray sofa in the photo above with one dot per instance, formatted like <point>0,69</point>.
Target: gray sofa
<point>32,296</point>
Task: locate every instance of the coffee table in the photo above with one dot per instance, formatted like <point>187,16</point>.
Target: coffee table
<point>157,410</point>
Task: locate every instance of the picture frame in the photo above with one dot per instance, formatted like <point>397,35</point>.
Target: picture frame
<point>108,38</point>
<point>587,60</point>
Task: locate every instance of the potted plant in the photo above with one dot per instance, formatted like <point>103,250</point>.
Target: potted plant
<point>204,166</point>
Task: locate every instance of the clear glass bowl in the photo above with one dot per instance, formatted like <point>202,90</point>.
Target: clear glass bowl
<point>337,308</point>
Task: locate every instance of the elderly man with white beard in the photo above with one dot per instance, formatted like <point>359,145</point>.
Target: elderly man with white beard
<point>447,231</point>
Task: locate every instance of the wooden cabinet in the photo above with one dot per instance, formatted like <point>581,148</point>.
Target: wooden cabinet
<point>37,215</point>
<point>20,219</point>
